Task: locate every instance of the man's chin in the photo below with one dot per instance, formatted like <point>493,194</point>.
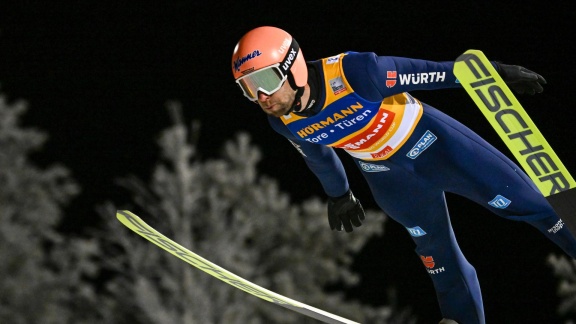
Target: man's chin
<point>277,112</point>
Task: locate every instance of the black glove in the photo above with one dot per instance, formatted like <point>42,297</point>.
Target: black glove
<point>345,211</point>
<point>520,79</point>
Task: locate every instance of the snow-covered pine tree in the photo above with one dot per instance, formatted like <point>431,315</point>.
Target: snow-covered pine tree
<point>565,270</point>
<point>42,273</point>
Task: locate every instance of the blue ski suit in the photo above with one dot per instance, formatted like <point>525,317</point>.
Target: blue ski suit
<point>411,154</point>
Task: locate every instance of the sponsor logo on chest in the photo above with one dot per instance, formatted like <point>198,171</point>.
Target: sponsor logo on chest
<point>338,120</point>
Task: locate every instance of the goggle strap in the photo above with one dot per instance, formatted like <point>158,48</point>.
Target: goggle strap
<point>292,82</point>
<point>289,58</point>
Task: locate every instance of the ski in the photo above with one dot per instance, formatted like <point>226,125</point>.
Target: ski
<point>507,116</point>
<point>140,227</point>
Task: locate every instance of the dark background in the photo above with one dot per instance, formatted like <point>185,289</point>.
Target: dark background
<point>97,76</point>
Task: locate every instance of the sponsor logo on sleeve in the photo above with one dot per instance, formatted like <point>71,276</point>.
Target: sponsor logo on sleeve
<point>500,202</point>
<point>421,78</point>
<point>391,78</point>
<point>416,231</point>
<point>423,143</point>
<point>413,78</point>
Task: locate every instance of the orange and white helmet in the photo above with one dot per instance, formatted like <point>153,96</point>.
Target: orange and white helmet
<point>264,59</point>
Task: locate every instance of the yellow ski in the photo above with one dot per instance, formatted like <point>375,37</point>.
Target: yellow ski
<point>519,133</point>
<point>512,123</point>
<point>137,225</point>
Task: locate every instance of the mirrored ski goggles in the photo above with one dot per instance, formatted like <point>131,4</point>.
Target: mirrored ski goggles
<point>268,80</point>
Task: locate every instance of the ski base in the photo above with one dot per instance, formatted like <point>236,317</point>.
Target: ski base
<point>140,227</point>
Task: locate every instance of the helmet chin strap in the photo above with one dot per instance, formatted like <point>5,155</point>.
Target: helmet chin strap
<point>297,104</point>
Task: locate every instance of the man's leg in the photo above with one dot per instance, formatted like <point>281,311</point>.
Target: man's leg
<point>422,210</point>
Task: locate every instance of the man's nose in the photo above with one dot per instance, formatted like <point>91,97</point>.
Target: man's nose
<point>262,96</point>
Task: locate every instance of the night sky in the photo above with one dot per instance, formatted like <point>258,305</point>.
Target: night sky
<point>97,75</point>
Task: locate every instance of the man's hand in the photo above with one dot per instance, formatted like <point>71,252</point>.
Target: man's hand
<point>345,211</point>
<point>520,79</point>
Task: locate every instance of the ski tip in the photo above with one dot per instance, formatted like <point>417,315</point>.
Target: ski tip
<point>127,217</point>
<point>122,213</point>
<point>126,214</point>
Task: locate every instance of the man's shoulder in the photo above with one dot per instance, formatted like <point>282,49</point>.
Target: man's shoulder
<point>345,56</point>
<point>278,125</point>
<point>351,62</point>
<point>355,59</point>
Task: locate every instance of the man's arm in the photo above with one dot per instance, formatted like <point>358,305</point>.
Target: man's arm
<point>321,160</point>
<point>344,210</point>
<point>376,77</point>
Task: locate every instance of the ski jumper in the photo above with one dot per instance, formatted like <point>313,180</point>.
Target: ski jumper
<point>411,154</point>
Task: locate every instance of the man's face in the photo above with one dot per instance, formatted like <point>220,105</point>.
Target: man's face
<point>279,103</point>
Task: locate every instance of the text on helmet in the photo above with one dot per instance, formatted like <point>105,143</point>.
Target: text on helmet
<point>241,60</point>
